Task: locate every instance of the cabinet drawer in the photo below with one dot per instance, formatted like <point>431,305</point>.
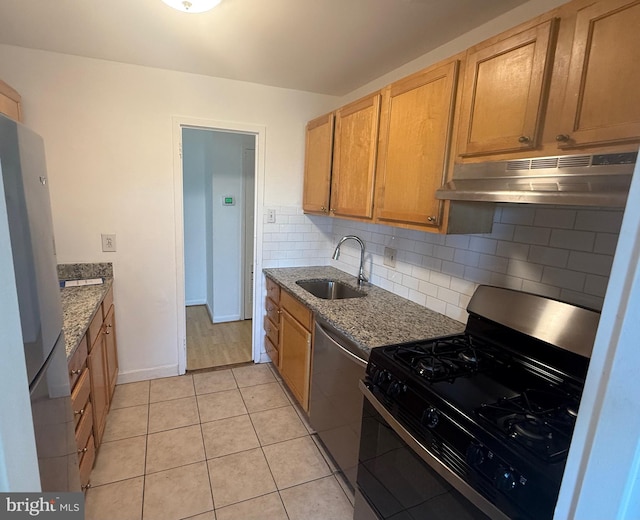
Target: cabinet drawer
<point>86,463</point>
<point>272,309</point>
<point>298,310</point>
<point>93,333</point>
<point>271,330</point>
<point>107,303</point>
<point>273,290</point>
<point>84,429</point>
<point>78,361</point>
<point>272,351</point>
<point>80,396</point>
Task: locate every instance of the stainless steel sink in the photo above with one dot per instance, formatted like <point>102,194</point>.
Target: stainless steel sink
<point>330,289</point>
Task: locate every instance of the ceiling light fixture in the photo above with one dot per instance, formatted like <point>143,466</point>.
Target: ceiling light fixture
<point>192,6</point>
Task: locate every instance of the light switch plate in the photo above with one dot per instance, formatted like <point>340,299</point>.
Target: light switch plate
<point>108,243</point>
<point>390,256</point>
<point>271,216</point>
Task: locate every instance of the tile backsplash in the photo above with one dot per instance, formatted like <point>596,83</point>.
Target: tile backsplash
<point>561,252</point>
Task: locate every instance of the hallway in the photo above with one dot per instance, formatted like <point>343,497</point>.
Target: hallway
<point>216,344</point>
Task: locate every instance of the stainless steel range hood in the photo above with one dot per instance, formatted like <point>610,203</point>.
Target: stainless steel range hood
<point>575,180</point>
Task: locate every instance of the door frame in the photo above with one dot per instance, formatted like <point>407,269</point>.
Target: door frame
<point>259,131</point>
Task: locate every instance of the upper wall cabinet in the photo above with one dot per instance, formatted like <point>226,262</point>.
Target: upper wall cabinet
<point>317,164</point>
<point>10,102</point>
<point>504,92</point>
<point>601,103</point>
<point>354,158</point>
<point>415,130</point>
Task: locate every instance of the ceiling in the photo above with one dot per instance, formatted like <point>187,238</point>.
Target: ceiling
<point>324,46</point>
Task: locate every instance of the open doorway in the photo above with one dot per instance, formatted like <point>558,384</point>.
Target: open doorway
<point>218,216</point>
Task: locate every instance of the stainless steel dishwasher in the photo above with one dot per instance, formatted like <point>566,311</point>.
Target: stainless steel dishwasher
<point>335,405</point>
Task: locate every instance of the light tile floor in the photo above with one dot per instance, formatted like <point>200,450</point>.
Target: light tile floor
<point>223,445</point>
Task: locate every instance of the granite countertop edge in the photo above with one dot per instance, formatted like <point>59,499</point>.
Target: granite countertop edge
<point>378,319</point>
<point>79,306</point>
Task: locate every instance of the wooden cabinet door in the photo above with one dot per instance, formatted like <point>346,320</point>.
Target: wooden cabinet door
<point>354,158</point>
<point>111,351</point>
<point>317,164</point>
<point>96,361</point>
<point>505,89</point>
<point>295,357</point>
<point>10,102</point>
<point>415,133</point>
<point>601,105</point>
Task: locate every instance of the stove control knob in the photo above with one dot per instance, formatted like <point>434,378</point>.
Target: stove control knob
<point>396,388</point>
<point>380,376</point>
<point>431,417</point>
<point>475,454</point>
<point>506,479</point>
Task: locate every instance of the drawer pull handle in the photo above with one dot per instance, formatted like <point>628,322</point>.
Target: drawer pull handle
<point>83,450</point>
<point>524,139</point>
<point>79,412</point>
<point>107,331</point>
<point>76,371</point>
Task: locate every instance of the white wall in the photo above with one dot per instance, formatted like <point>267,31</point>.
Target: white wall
<point>107,130</point>
<point>194,153</point>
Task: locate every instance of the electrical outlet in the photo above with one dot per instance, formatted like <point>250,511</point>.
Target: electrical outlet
<point>271,216</point>
<point>390,256</point>
<point>108,243</point>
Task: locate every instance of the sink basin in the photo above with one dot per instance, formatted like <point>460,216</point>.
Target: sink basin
<point>330,289</point>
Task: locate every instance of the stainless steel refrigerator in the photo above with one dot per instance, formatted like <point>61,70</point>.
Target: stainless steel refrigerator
<point>24,175</point>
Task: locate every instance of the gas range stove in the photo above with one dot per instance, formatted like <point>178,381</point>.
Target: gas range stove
<point>497,404</point>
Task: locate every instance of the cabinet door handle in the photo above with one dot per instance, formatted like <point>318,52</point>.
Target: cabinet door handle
<point>562,138</point>
<point>524,139</point>
<point>79,412</point>
<point>84,488</point>
<point>83,450</point>
<point>432,219</point>
<point>107,331</point>
<point>76,371</point>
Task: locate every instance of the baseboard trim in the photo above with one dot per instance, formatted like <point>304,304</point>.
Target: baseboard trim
<point>147,373</point>
<point>224,319</point>
<point>191,303</point>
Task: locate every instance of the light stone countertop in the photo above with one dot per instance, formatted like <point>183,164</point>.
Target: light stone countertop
<point>380,318</point>
<point>79,306</point>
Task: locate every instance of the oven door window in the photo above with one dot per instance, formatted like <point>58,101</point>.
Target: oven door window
<point>398,484</point>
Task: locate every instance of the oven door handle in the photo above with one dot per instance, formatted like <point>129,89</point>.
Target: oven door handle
<point>465,489</point>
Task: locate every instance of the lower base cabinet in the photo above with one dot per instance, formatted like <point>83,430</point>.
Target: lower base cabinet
<point>295,347</point>
<point>93,371</point>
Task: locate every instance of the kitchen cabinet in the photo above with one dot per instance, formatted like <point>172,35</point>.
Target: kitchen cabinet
<point>96,362</point>
<point>415,130</point>
<point>505,87</point>
<point>354,158</point>
<point>10,102</point>
<point>601,103</point>
<point>295,346</point>
<point>80,381</point>
<point>317,164</point>
<point>111,351</point>
<point>272,322</point>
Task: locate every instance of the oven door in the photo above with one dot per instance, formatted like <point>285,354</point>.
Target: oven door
<point>399,479</point>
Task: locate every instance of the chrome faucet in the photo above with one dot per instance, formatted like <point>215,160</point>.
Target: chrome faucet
<point>336,254</point>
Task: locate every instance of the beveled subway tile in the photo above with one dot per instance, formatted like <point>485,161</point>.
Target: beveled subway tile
<point>126,422</point>
<point>171,388</point>
<point>263,397</point>
<point>177,493</point>
<point>230,435</point>
<point>220,405</point>
<point>266,507</point>
<point>317,500</point>
<point>277,425</point>
<point>296,461</point>
<point>216,381</point>
<point>177,413</point>
<point>239,477</point>
<point>253,375</point>
<point>173,448</point>
<point>130,394</point>
<point>121,500</point>
<point>119,460</point>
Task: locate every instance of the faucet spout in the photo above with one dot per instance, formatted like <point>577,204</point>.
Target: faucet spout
<point>336,254</point>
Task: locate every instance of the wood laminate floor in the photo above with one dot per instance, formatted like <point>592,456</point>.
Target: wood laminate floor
<point>216,344</point>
